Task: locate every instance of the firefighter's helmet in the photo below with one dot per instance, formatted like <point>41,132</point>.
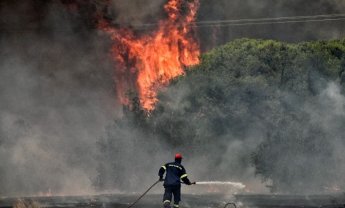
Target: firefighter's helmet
<point>178,156</point>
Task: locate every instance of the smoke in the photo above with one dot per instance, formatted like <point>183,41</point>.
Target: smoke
<point>58,107</point>
<point>327,112</point>
<point>238,109</point>
<point>301,154</point>
<point>136,12</point>
<point>56,97</point>
<point>297,141</point>
<point>294,32</point>
<point>216,146</point>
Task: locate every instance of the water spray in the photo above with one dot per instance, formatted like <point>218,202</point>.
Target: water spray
<point>229,183</point>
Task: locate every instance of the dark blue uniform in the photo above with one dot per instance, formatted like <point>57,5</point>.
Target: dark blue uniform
<point>175,172</point>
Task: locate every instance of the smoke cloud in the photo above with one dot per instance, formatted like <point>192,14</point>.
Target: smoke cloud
<point>58,108</point>
<point>56,97</point>
<point>294,32</point>
<point>136,12</point>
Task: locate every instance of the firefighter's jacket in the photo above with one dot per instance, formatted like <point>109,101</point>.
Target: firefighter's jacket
<point>175,172</point>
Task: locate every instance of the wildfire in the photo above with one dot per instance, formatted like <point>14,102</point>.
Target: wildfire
<point>148,62</point>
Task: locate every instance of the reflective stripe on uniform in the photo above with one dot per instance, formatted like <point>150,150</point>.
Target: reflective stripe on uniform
<point>175,166</point>
<point>183,176</point>
<point>176,205</point>
<point>165,168</point>
<point>166,201</point>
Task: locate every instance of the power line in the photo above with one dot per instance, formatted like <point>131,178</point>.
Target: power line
<point>231,22</point>
<point>269,22</point>
<point>259,21</point>
<point>272,19</point>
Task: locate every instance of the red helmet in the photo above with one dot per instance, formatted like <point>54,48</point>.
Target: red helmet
<point>178,156</point>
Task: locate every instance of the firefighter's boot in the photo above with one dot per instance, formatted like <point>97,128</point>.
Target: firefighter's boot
<point>166,204</point>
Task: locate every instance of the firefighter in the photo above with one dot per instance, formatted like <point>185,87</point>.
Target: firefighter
<point>175,172</point>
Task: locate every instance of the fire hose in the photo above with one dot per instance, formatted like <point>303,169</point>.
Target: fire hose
<point>141,196</point>
<point>155,183</point>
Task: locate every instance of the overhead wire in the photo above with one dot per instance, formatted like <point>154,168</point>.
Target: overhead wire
<point>231,22</point>
<point>269,22</point>
<point>272,18</point>
<point>257,21</point>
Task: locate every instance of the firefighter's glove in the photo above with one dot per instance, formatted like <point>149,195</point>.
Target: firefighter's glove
<point>161,179</point>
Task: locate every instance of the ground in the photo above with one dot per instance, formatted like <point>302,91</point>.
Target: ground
<point>190,201</point>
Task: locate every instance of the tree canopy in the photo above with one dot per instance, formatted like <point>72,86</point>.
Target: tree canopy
<point>263,104</point>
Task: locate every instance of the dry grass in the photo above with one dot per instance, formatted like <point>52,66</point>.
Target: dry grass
<point>21,203</point>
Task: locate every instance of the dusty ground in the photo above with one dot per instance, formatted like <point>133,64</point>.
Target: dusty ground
<point>189,201</point>
<point>116,201</point>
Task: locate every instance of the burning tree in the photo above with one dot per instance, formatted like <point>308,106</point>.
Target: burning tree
<point>146,62</point>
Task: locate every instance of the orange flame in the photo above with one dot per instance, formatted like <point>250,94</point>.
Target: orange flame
<point>156,58</point>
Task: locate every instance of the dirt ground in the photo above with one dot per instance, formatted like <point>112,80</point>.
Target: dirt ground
<point>189,201</point>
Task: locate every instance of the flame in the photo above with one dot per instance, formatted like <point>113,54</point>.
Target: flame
<point>154,59</point>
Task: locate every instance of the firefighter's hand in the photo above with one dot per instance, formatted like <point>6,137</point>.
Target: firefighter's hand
<point>190,183</point>
<point>161,179</point>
